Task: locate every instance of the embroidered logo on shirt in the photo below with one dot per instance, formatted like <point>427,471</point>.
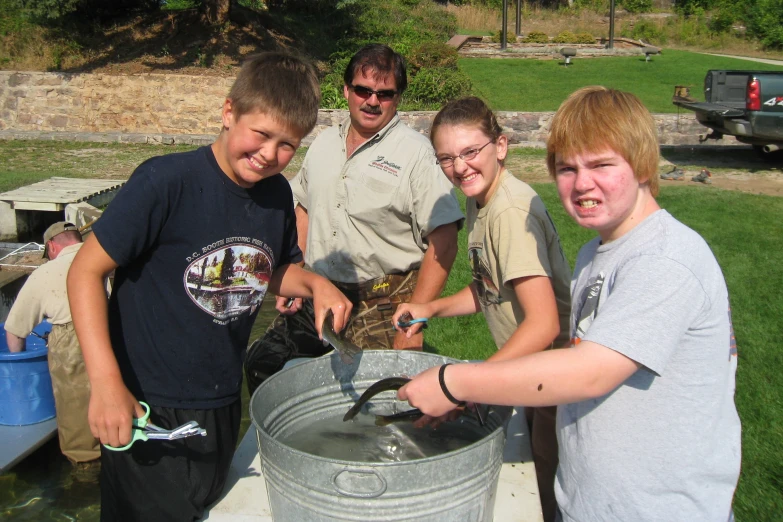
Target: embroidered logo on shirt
<point>382,164</point>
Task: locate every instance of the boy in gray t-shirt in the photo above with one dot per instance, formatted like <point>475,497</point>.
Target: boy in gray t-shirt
<point>647,425</point>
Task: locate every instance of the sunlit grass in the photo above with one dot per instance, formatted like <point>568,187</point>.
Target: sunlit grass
<point>541,85</point>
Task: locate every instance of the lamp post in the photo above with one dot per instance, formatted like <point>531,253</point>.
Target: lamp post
<point>611,24</point>
<point>519,18</point>
<point>504,29</point>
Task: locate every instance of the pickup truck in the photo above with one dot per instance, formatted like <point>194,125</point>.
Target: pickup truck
<point>744,104</point>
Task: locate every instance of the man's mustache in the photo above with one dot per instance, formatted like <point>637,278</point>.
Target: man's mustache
<point>370,109</point>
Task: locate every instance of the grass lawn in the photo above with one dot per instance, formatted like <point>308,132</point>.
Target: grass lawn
<point>512,84</point>
<point>743,230</point>
<point>25,162</point>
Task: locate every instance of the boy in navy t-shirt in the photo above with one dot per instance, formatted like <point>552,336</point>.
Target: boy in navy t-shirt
<point>196,239</point>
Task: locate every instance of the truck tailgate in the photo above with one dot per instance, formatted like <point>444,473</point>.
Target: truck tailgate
<point>716,108</point>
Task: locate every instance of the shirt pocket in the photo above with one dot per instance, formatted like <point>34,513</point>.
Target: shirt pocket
<point>371,196</point>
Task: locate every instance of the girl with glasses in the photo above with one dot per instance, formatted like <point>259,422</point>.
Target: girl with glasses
<point>520,275</point>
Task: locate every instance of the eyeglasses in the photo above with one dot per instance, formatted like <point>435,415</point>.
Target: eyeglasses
<point>365,92</point>
<point>448,161</point>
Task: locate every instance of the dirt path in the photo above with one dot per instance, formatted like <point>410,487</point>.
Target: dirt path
<point>731,168</point>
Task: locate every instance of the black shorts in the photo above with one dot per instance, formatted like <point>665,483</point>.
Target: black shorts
<point>170,480</point>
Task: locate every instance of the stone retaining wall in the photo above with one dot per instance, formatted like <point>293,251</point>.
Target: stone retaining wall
<point>159,108</point>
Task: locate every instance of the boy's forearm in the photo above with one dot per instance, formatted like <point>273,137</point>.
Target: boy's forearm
<point>294,281</point>
<point>546,378</point>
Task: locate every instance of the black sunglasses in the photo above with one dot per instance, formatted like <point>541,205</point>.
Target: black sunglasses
<point>364,93</point>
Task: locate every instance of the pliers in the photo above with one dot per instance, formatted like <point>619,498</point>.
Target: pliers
<point>143,429</point>
<point>407,320</point>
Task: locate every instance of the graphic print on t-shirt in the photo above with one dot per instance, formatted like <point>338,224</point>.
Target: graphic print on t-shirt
<point>229,281</point>
<point>590,298</point>
<point>487,291</point>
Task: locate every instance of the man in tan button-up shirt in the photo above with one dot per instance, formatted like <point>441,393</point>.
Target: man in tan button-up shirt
<point>45,295</point>
<point>374,215</point>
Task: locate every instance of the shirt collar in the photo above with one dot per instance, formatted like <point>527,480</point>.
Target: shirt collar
<point>346,124</point>
<point>70,248</point>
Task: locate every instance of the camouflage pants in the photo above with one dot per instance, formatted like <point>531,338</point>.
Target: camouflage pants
<point>71,395</point>
<point>292,336</point>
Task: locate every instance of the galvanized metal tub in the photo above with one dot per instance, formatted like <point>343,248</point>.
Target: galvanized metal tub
<point>455,486</point>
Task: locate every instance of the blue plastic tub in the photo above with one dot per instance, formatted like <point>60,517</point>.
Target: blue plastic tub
<point>25,385</point>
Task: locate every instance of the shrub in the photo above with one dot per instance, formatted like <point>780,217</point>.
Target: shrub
<point>392,22</point>
<point>332,85</point>
<point>598,6</point>
<point>332,97</point>
<point>536,37</point>
<point>585,38</point>
<point>765,22</point>
<point>497,36</point>
<point>565,37</point>
<point>432,55</point>
<point>649,32</point>
<point>636,6</point>
<point>437,86</point>
<point>721,21</point>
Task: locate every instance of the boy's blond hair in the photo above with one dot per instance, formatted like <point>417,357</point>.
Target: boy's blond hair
<point>595,119</point>
<point>280,85</point>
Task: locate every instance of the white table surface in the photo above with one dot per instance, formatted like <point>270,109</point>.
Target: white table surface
<point>245,496</point>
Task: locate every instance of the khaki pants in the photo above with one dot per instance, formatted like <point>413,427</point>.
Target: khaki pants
<point>71,395</point>
<point>292,336</point>
<point>543,443</point>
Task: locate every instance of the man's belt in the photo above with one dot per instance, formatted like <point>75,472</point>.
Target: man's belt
<point>379,289</point>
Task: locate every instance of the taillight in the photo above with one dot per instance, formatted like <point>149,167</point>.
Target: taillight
<point>753,101</point>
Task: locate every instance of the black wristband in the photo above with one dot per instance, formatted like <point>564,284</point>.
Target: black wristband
<point>445,390</point>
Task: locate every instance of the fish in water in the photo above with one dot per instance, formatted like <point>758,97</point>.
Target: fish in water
<point>344,347</point>
<point>403,416</point>
<point>390,383</point>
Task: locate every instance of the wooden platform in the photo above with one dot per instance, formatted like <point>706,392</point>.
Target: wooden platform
<point>54,193</point>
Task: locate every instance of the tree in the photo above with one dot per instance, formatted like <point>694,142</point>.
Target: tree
<point>217,11</point>
<point>227,271</point>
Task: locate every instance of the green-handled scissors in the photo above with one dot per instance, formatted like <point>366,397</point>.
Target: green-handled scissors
<point>143,429</point>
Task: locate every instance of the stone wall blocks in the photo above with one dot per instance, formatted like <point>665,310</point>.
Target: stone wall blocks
<point>50,81</point>
<point>6,118</point>
<point>57,122</point>
<point>17,79</point>
<point>183,105</point>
